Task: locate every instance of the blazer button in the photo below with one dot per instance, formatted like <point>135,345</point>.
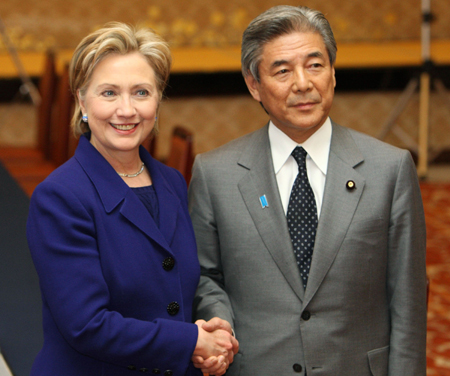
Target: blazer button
<point>132,368</point>
<point>306,315</point>
<point>173,308</point>
<point>168,373</point>
<point>145,370</point>
<point>156,371</point>
<point>297,367</point>
<point>168,264</point>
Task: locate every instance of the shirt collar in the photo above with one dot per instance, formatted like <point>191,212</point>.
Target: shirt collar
<point>317,146</point>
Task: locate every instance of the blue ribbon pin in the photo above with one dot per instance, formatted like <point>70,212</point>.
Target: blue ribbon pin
<point>264,202</point>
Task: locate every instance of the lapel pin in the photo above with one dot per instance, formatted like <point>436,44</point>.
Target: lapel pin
<point>264,202</point>
<point>351,185</point>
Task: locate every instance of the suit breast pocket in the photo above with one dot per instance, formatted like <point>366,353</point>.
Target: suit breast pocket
<point>364,247</point>
<point>367,226</point>
<point>366,233</point>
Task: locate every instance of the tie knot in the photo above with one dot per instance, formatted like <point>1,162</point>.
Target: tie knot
<point>299,155</point>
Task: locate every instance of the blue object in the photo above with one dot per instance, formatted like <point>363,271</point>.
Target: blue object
<point>264,202</point>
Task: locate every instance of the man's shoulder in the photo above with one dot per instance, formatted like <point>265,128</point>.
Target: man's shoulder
<point>369,144</point>
<point>235,148</point>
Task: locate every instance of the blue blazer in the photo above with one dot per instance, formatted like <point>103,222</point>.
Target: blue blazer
<point>113,300</point>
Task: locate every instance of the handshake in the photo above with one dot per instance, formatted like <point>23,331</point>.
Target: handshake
<point>216,346</point>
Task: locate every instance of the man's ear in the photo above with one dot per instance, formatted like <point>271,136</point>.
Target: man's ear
<point>253,86</point>
<point>334,77</point>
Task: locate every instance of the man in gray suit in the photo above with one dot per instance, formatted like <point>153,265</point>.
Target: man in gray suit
<point>358,306</point>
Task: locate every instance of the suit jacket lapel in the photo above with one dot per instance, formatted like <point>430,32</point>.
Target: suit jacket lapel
<point>270,221</point>
<point>339,205</point>
<point>113,192</point>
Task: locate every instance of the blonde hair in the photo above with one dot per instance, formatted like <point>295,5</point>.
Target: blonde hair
<point>115,38</point>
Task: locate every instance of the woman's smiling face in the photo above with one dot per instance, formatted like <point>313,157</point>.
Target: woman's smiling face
<point>121,102</point>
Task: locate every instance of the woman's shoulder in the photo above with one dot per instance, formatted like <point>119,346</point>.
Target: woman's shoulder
<point>67,179</point>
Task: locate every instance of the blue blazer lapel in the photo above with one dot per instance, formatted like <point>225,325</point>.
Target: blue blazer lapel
<point>133,210</point>
<point>169,202</point>
<point>269,221</point>
<point>339,205</point>
<point>113,192</point>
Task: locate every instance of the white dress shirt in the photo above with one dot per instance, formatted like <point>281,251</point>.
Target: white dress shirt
<point>286,168</point>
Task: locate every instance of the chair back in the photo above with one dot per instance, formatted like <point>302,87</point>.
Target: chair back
<point>47,90</point>
<point>150,145</point>
<point>61,132</point>
<point>181,155</point>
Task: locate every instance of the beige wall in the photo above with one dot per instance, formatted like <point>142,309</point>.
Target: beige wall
<point>217,120</point>
<point>37,25</point>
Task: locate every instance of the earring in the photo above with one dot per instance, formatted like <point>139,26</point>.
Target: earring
<point>85,118</point>
<point>156,117</point>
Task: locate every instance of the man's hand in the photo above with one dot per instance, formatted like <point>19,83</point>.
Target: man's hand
<point>216,323</point>
<point>213,365</point>
<point>216,346</point>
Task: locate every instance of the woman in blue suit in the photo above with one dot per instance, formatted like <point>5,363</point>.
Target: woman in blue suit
<point>109,231</point>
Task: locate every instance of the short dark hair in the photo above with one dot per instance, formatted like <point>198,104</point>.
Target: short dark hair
<point>277,21</point>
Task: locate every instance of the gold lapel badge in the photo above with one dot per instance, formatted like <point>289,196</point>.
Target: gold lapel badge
<point>351,185</point>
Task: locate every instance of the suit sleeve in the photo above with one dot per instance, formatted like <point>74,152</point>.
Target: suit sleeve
<point>62,239</point>
<point>407,275</point>
<point>211,298</point>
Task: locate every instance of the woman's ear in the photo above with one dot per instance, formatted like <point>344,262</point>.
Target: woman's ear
<point>81,102</point>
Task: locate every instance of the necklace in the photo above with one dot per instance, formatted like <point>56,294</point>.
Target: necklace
<point>132,175</point>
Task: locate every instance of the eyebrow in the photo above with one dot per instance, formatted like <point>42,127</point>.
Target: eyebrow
<point>138,84</point>
<point>278,63</point>
<point>141,84</point>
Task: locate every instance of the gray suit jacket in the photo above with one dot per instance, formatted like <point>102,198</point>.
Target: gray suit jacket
<point>364,308</point>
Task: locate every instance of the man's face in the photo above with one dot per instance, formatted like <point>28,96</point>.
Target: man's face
<point>296,83</point>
